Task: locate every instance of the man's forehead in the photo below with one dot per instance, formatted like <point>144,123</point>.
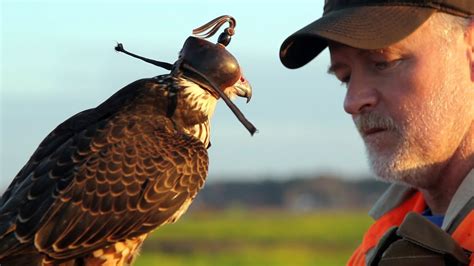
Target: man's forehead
<point>395,48</point>
<point>339,51</point>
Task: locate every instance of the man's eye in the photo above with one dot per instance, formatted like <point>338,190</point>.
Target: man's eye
<point>385,65</point>
<point>344,80</point>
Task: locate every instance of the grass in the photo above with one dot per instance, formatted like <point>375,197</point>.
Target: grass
<point>237,237</point>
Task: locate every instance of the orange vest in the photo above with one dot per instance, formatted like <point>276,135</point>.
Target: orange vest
<point>464,233</point>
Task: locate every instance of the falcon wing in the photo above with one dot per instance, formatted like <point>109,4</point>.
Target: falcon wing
<point>66,130</point>
<point>115,179</point>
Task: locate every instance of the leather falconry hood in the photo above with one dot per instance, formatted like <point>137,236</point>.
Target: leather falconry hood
<point>212,60</point>
<point>208,64</point>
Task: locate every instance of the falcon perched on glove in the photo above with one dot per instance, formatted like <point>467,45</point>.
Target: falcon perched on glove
<point>101,181</point>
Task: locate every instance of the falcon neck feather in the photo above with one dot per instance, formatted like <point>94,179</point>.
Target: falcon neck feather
<point>245,122</point>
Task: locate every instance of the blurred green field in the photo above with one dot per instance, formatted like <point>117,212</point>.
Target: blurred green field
<point>238,237</point>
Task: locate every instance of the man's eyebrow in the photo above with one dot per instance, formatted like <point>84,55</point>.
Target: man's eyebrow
<point>391,49</point>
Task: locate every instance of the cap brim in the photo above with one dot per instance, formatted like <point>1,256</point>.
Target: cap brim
<point>364,27</point>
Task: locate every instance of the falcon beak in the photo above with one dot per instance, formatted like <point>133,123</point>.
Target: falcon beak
<point>243,89</point>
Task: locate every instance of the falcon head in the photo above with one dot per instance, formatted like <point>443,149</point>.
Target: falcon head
<point>212,68</point>
<point>217,71</point>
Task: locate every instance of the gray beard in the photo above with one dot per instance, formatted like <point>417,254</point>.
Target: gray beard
<point>400,166</point>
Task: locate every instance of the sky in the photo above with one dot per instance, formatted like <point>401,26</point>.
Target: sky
<point>57,59</point>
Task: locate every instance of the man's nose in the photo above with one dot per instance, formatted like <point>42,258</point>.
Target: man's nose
<point>361,95</point>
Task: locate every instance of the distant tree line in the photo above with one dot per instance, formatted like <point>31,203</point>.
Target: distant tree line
<point>298,194</point>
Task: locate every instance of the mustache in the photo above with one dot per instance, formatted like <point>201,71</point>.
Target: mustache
<point>368,121</point>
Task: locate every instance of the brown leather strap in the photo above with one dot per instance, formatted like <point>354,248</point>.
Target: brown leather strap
<point>418,242</point>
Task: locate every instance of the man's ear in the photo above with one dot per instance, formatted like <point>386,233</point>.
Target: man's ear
<point>469,38</point>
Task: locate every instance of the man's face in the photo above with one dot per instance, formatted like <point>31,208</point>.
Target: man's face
<point>413,102</point>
